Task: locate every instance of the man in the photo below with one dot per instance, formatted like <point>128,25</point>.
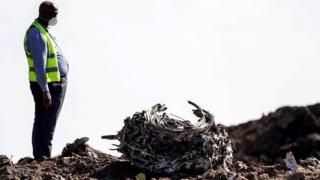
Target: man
<point>48,69</point>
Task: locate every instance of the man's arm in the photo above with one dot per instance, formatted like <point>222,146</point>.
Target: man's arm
<point>38,50</point>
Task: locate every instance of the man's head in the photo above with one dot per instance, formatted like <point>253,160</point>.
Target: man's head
<point>47,11</point>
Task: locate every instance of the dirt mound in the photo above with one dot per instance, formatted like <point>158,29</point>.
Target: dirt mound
<point>267,140</point>
<point>79,161</point>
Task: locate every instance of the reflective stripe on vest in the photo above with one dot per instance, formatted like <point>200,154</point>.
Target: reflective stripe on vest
<point>52,70</point>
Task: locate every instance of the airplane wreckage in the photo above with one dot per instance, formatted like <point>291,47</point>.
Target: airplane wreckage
<point>164,143</point>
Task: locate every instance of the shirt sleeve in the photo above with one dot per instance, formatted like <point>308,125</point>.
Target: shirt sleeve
<point>38,49</point>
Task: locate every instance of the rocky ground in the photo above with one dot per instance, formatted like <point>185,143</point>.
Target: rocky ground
<point>268,139</point>
<point>82,162</point>
<point>259,149</point>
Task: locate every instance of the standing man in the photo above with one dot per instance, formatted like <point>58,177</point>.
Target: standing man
<point>48,69</point>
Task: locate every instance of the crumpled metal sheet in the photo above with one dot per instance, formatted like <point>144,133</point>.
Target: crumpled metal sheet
<point>161,143</point>
<point>291,162</point>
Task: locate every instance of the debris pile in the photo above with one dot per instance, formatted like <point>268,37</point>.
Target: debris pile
<point>79,161</point>
<point>155,141</point>
<point>287,129</point>
<point>267,140</point>
<point>80,165</point>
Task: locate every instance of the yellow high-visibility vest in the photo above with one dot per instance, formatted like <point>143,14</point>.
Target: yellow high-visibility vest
<point>52,69</point>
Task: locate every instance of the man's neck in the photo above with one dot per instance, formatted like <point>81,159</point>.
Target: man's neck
<point>43,22</point>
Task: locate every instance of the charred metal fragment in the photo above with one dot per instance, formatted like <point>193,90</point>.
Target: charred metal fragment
<point>161,143</point>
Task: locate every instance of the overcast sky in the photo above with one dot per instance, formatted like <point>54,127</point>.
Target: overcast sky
<point>237,59</point>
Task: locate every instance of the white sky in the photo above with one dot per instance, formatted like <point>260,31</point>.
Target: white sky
<point>237,59</point>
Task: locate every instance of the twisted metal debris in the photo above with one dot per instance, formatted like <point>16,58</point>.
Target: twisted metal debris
<point>155,141</point>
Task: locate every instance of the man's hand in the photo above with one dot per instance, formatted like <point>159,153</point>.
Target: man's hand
<point>47,101</point>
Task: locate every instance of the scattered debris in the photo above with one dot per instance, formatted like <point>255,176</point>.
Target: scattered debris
<point>79,147</point>
<point>311,161</point>
<point>107,167</point>
<point>154,141</point>
<point>4,161</point>
<point>240,166</point>
<point>80,161</point>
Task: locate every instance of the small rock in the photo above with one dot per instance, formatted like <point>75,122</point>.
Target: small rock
<point>25,160</point>
<point>239,177</point>
<point>141,176</point>
<point>218,175</point>
<point>240,166</point>
<point>297,176</point>
<point>263,177</point>
<point>270,170</point>
<point>252,176</point>
<point>78,147</point>
<point>4,161</point>
<point>66,161</point>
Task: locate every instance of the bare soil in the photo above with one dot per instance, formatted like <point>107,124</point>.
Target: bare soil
<point>259,148</point>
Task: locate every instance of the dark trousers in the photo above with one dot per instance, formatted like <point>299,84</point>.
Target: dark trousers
<point>45,119</point>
